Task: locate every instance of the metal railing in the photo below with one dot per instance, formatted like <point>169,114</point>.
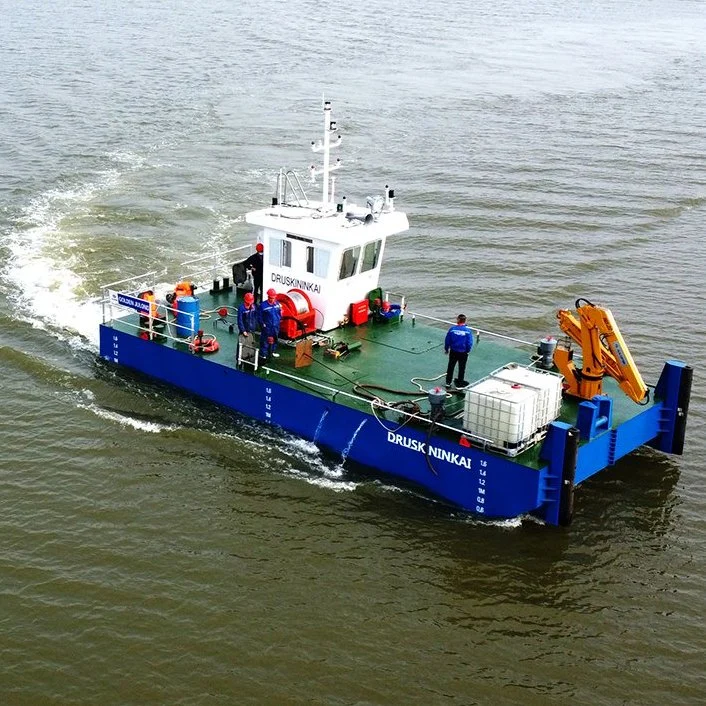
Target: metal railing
<point>210,267</point>
<point>130,285</point>
<point>290,179</point>
<point>158,327</point>
<point>402,301</point>
<point>374,403</point>
<point>200,270</point>
<point>415,314</point>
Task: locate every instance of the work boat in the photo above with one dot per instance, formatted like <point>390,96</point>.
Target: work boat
<point>360,373</point>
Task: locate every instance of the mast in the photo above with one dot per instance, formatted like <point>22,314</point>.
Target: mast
<point>325,146</point>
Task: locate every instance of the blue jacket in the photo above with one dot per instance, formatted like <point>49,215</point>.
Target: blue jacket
<point>248,319</point>
<point>270,317</point>
<point>459,339</point>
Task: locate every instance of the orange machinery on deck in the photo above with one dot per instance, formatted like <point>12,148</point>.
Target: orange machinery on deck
<point>604,352</point>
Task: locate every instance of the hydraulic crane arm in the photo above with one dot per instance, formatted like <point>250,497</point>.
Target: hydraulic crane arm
<point>604,352</point>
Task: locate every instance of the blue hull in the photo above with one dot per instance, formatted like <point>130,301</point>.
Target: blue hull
<point>492,486</point>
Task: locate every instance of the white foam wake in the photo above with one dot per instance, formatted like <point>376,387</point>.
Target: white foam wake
<point>338,486</point>
<point>127,421</point>
<point>44,260</point>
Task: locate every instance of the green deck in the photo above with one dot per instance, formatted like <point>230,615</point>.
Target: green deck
<point>392,355</point>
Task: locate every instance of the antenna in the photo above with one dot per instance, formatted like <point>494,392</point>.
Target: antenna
<point>326,146</point>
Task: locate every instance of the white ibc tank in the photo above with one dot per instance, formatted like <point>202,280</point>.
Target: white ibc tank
<point>547,384</point>
<point>500,412</point>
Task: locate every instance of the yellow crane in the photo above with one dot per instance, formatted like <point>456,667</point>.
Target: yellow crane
<point>604,352</point>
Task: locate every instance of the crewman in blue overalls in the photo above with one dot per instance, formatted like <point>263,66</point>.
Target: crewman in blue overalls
<point>248,316</point>
<point>458,344</point>
<point>270,318</point>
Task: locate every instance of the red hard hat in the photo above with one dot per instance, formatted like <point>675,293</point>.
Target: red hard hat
<point>259,247</point>
<point>248,298</point>
<point>271,294</point>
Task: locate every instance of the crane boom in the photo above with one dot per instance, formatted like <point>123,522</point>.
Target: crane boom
<point>604,352</point>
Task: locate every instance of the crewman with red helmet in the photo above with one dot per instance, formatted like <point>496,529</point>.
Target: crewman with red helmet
<point>248,316</point>
<point>254,263</point>
<point>270,319</point>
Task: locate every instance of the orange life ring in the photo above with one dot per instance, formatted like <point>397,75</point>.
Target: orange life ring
<point>204,343</point>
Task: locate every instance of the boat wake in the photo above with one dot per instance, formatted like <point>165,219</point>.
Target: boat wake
<point>49,269</point>
<point>318,472</point>
<point>126,420</point>
<point>508,524</point>
<point>85,399</point>
<point>42,270</point>
<point>338,486</point>
<point>298,458</point>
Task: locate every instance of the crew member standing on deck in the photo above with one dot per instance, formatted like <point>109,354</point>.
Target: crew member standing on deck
<point>270,318</point>
<point>248,316</point>
<point>254,264</point>
<point>458,344</point>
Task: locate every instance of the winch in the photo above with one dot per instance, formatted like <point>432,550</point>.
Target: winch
<point>298,314</point>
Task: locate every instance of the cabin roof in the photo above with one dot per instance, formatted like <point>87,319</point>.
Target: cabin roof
<point>334,228</point>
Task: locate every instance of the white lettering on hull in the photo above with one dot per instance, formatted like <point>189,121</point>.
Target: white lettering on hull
<point>433,451</point>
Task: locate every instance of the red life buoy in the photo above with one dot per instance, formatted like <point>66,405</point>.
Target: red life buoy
<point>204,343</point>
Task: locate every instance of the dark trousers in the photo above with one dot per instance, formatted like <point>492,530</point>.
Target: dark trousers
<point>267,348</point>
<point>461,359</point>
<point>257,284</point>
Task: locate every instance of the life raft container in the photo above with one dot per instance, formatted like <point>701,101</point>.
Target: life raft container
<point>204,343</point>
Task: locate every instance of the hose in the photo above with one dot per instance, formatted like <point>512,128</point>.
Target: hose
<point>411,412</point>
<point>646,399</point>
<point>434,420</point>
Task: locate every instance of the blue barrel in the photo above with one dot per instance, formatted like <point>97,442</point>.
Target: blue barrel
<point>187,319</point>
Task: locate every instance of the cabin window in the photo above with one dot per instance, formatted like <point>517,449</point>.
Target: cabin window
<point>280,253</point>
<point>371,254</point>
<point>317,261</point>
<point>286,260</point>
<point>349,262</point>
<point>275,251</point>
